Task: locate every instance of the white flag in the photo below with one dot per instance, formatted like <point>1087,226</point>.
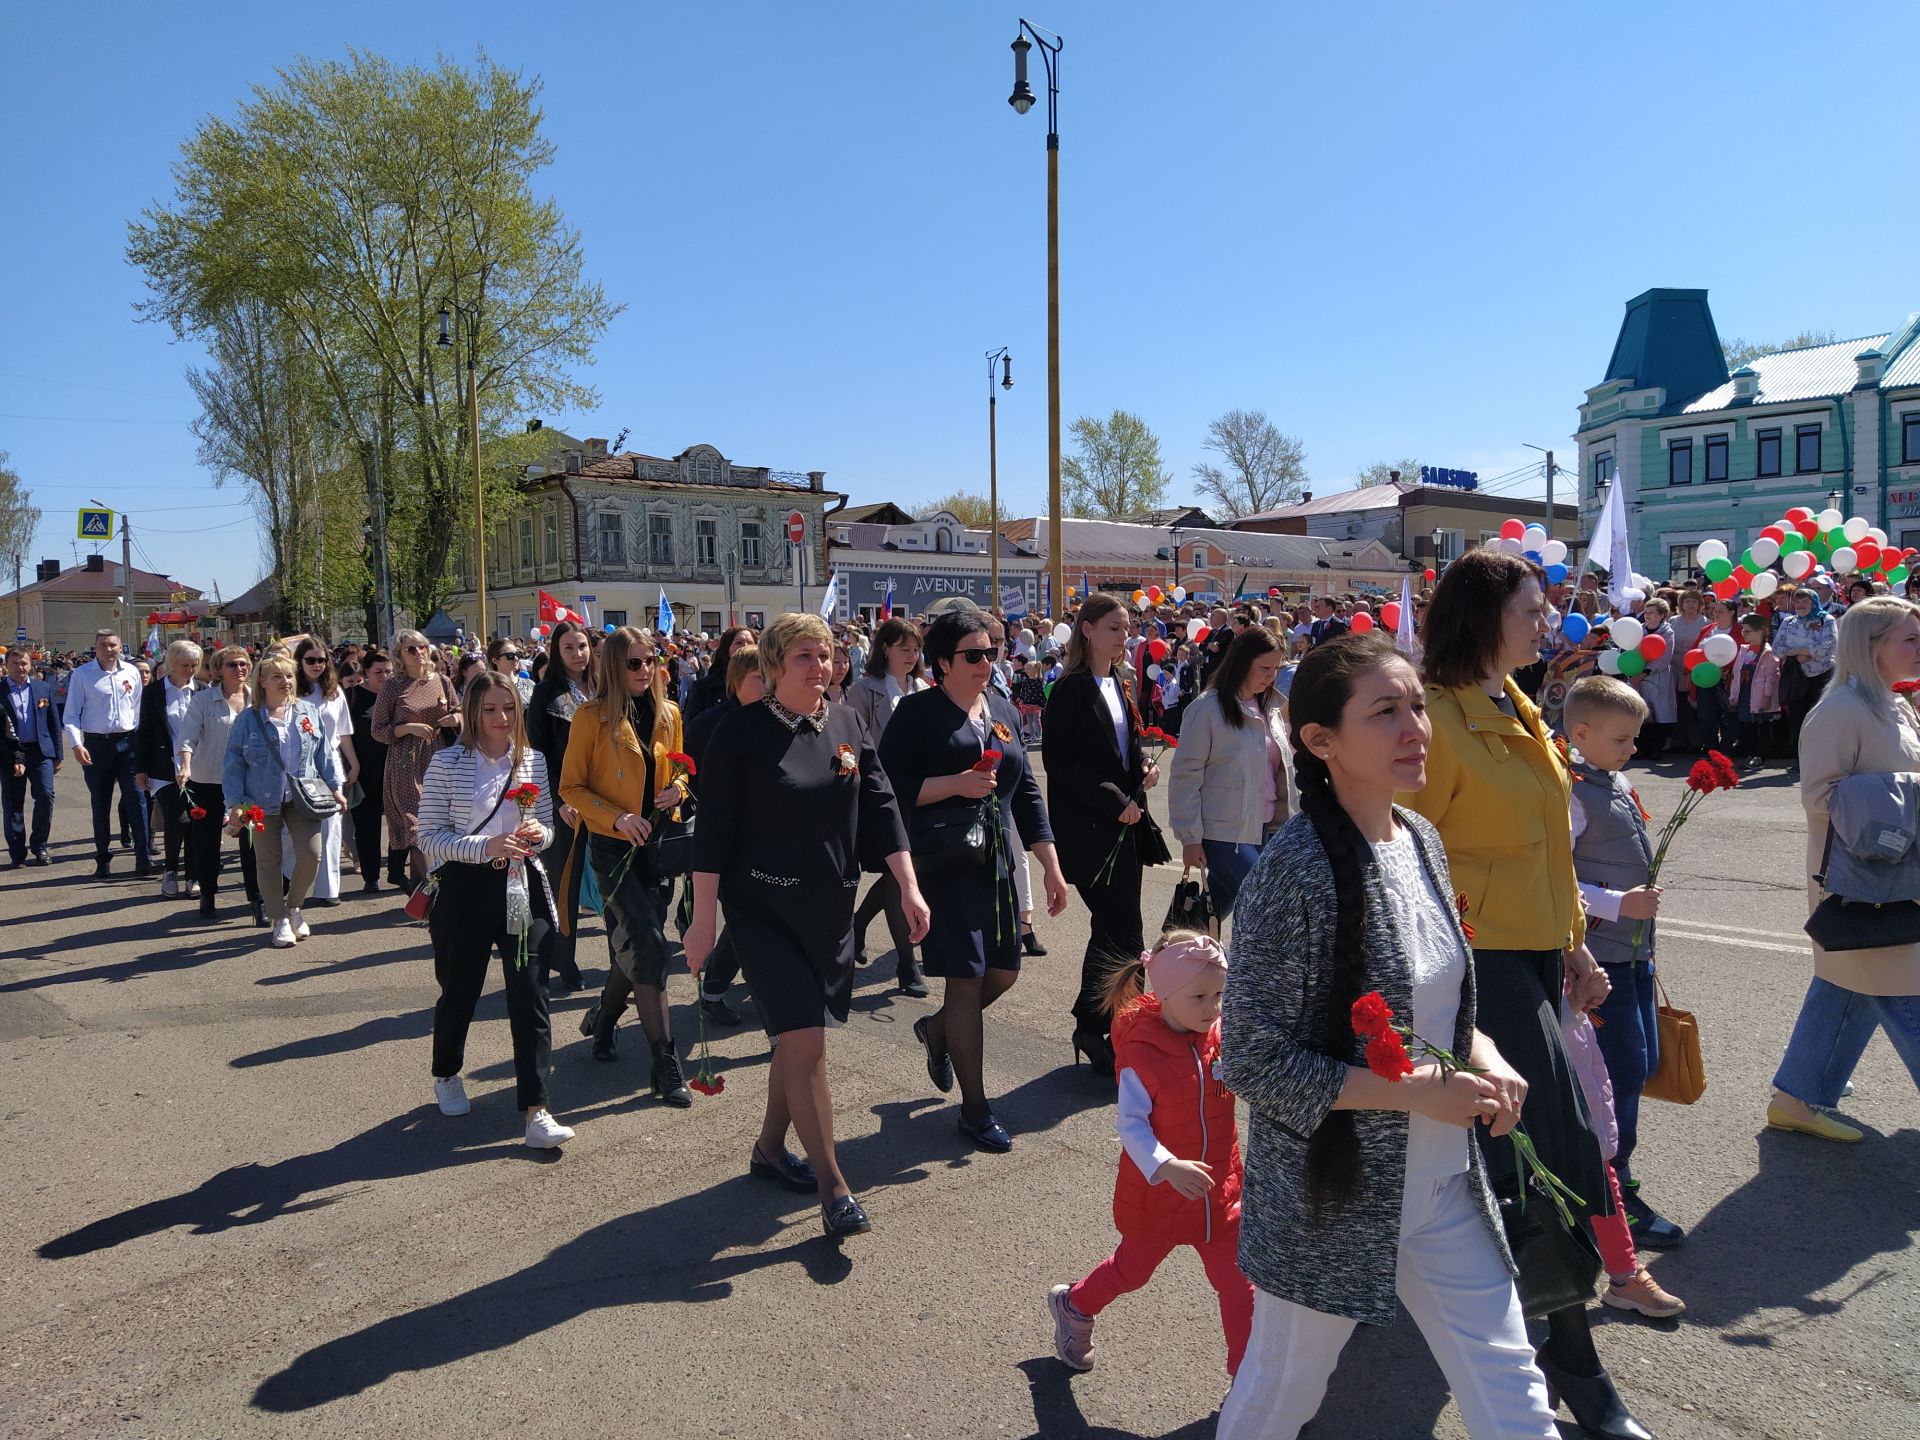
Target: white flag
<point>1403,639</point>
<point>1609,544</point>
<point>830,602</point>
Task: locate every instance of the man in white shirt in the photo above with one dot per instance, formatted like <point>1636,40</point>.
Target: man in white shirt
<point>103,712</point>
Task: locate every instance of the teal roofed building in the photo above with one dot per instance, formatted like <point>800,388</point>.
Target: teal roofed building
<point>1707,454</point>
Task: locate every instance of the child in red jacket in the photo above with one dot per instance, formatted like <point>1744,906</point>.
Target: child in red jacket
<point>1179,1180</point>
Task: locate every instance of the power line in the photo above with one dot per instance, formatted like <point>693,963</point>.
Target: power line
<point>89,419</point>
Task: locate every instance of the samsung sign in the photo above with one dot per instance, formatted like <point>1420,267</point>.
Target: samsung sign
<point>1454,479</point>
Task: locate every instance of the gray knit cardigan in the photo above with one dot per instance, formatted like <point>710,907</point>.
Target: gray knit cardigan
<point>1340,1261</point>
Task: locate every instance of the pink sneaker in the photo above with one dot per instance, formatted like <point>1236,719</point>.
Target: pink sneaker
<point>1072,1331</point>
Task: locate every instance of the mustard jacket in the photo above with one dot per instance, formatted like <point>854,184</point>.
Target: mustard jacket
<point>1498,792</point>
<point>605,776</point>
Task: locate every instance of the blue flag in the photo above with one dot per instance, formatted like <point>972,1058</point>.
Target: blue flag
<point>664,621</point>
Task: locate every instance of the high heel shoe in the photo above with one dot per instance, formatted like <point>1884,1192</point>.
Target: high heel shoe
<point>1597,1407</point>
<point>1097,1048</point>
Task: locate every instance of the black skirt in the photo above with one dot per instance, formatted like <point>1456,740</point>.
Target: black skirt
<point>634,910</point>
<point>801,978</point>
<point>1518,1008</point>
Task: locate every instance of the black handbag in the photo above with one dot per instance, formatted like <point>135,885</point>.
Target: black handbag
<point>307,795</point>
<point>1838,924</point>
<point>1793,682</point>
<point>950,840</point>
<point>669,850</point>
<point>1558,1266</point>
<point>1192,907</point>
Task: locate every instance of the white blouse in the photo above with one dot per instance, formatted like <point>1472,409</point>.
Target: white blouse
<point>1438,959</point>
<point>490,779</point>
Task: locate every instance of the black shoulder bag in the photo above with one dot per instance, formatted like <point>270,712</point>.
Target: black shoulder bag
<point>948,840</point>
<point>1840,924</point>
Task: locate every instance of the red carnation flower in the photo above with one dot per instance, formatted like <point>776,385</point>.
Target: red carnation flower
<point>1371,1015</point>
<point>1387,1056</point>
<point>1724,769</point>
<point>679,757</point>
<point>198,812</point>
<point>1703,777</point>
<point>1906,687</point>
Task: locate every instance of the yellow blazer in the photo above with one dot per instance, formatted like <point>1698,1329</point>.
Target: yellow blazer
<point>1498,791</point>
<point>605,776</point>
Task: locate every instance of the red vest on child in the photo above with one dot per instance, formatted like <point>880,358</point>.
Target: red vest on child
<point>1192,1117</point>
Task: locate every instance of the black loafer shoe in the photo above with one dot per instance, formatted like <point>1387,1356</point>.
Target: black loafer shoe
<point>910,981</point>
<point>844,1217</point>
<point>1651,1230</point>
<point>987,1133</point>
<point>792,1171</point>
<point>939,1067</point>
<point>1597,1407</point>
<point>1030,943</point>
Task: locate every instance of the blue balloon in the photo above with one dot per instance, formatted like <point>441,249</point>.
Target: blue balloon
<point>1533,555</point>
<point>1556,574</point>
<point>609,627</point>
<point>1574,627</point>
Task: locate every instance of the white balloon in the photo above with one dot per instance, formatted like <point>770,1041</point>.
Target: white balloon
<point>1610,662</point>
<point>1194,627</point>
<point>1627,632</point>
<point>1720,649</point>
<point>1829,519</point>
<point>1764,584</point>
<point>1555,552</point>
<point>1856,529</point>
<point>1153,672</point>
<point>1534,537</point>
<point>1179,594</point>
<point>1062,633</point>
<point>1879,536</point>
<point>1513,547</point>
<point>1798,565</point>
<point>1766,549</point>
<point>1712,550</point>
<point>1844,560</point>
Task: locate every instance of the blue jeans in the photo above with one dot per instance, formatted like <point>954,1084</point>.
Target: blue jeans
<point>1629,1034</point>
<point>113,760</point>
<point>1832,1033</point>
<point>39,778</point>
<point>1228,865</point>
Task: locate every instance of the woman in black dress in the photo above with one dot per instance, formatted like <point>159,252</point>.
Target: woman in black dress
<point>791,797</point>
<point>934,750</point>
<point>563,689</point>
<point>1098,776</point>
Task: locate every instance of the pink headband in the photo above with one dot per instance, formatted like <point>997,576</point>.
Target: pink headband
<point>1173,966</point>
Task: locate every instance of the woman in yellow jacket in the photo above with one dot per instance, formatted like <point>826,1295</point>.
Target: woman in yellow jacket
<point>1498,790</point>
<point>619,786</point>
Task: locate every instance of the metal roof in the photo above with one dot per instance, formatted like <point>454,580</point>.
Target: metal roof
<point>1369,497</point>
<point>1667,340</point>
<point>1120,542</point>
<point>1905,369</point>
<point>1815,373</point>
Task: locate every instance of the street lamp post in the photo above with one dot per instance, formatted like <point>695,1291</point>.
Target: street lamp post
<point>1022,101</point>
<point>471,315</point>
<point>1174,532</point>
<point>1001,358</point>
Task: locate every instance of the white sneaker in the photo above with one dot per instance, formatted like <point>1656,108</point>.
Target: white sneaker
<point>193,889</point>
<point>452,1096</point>
<point>170,885</point>
<point>282,934</point>
<point>544,1132</point>
<point>301,930</point>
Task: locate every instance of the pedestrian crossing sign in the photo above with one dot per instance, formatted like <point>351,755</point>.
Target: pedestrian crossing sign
<point>96,524</point>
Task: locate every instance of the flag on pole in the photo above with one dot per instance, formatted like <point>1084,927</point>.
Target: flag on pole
<point>886,605</point>
<point>663,622</point>
<point>1403,638</point>
<point>1085,588</point>
<point>1609,544</point>
<point>552,610</point>
<point>830,602</point>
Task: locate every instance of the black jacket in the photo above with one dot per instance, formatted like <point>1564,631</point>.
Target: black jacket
<point>371,754</point>
<point>550,720</point>
<point>1088,781</point>
<point>152,738</point>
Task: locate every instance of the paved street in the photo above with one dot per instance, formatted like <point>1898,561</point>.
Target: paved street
<point>233,1210</point>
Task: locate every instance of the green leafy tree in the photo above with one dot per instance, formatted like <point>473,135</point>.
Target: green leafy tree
<point>1261,468</point>
<point>19,519</point>
<point>1114,469</point>
<point>1739,352</point>
<point>1381,473</point>
<point>970,510</point>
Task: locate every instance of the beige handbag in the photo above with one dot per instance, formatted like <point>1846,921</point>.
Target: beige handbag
<point>1682,1076</point>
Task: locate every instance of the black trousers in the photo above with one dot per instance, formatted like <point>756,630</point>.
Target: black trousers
<point>468,923</point>
<point>173,818</point>
<point>562,862</point>
<point>366,826</point>
<point>113,763</point>
<point>635,916</point>
<point>206,835</point>
<point>1113,905</point>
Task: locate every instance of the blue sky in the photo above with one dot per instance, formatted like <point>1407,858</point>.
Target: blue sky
<point>1398,228</point>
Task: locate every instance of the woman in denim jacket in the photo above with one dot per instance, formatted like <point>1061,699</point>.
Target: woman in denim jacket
<point>1808,637</point>
<point>276,740</point>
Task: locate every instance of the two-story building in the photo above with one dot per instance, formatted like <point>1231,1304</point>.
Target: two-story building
<point>63,608</point>
<point>1705,454</point>
<point>1422,524</point>
<point>925,560</point>
<point>605,534</point>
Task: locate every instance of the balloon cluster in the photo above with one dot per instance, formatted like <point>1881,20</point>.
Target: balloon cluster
<point>1531,542</point>
<point>1635,648</point>
<point>540,632</point>
<point>1708,660</point>
<point>1803,542</point>
<point>1154,595</point>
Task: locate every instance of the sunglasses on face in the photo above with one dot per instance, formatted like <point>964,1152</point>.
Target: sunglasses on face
<point>314,660</point>
<point>637,663</point>
<point>509,654</point>
<point>973,655</point>
<point>234,665</point>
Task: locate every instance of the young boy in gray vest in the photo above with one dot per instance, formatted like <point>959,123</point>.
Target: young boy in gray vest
<point>1613,859</point>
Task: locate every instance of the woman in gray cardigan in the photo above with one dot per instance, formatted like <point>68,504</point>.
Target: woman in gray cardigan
<point>1358,1187</point>
<point>1227,791</point>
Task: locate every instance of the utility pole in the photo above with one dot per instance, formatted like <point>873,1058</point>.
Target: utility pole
<point>1549,495</point>
<point>126,568</point>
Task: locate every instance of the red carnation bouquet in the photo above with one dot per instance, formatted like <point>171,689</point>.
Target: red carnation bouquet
<point>1716,772</point>
<point>1389,1058</point>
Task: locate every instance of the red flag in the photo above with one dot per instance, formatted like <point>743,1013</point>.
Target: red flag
<point>553,611</point>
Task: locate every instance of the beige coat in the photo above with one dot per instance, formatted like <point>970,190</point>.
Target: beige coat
<point>1849,734</point>
<point>1217,788</point>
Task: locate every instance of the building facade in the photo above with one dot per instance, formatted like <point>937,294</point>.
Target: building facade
<point>925,560</point>
<point>1422,524</point>
<point>1708,454</point>
<point>605,534</point>
<point>62,609</point>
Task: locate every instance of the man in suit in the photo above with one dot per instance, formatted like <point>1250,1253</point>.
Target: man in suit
<point>33,759</point>
<point>163,707</point>
<point>1326,624</point>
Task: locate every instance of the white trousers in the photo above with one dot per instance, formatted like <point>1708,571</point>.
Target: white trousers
<point>1452,1282</point>
<point>1021,864</point>
<point>326,880</point>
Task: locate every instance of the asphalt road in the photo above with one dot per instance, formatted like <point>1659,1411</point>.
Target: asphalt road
<point>231,1208</point>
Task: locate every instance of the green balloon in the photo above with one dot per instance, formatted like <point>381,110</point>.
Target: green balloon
<point>1718,570</point>
<point>1632,662</point>
<point>1897,575</point>
<point>1751,565</point>
<point>1706,674</point>
<point>1835,538</point>
<point>1794,541</point>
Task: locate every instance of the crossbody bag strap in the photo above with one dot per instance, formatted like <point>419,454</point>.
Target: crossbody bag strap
<point>1826,857</point>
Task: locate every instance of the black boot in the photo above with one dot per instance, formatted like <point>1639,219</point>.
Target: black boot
<point>910,980</point>
<point>668,1083</point>
<point>1597,1407</point>
<point>599,1022</point>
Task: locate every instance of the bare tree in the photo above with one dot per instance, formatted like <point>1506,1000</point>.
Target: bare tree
<point>1115,468</point>
<point>1381,472</point>
<point>970,510</point>
<point>1263,468</point>
<point>1739,352</point>
<point>19,519</point>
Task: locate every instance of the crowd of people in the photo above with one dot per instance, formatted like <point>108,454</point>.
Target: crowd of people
<point>1430,868</point>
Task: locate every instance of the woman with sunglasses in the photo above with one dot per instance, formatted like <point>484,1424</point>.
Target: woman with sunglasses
<point>318,683</point>
<point>503,658</point>
<point>563,689</point>
<point>617,777</point>
<point>203,757</point>
<point>416,713</point>
<point>953,755</point>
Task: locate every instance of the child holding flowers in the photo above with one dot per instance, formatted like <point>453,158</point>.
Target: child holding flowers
<point>1164,1045</point>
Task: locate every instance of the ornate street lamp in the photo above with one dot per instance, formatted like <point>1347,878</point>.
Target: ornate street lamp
<point>1022,101</point>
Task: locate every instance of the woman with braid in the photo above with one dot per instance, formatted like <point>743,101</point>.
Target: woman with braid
<point>1358,1188</point>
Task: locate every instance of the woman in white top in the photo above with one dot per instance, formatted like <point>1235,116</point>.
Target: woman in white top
<point>893,673</point>
<point>319,686</point>
<point>490,894</point>
<point>203,753</point>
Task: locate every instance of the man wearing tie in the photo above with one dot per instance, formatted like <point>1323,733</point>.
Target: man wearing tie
<point>29,716</point>
<point>103,712</point>
<point>1326,624</point>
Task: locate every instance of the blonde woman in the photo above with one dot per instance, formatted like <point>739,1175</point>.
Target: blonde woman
<point>277,740</point>
<point>319,685</point>
<point>415,714</point>
<point>492,895</point>
<point>203,757</point>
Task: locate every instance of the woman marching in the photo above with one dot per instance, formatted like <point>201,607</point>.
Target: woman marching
<point>319,686</point>
<point>412,718</point>
<point>619,780</point>
<point>893,673</point>
<point>483,832</point>
<point>203,756</point>
<point>563,689</point>
<point>954,758</point>
<point>793,798</point>
<point>1357,1187</point>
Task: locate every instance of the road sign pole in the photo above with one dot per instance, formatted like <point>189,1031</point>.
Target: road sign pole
<point>126,569</point>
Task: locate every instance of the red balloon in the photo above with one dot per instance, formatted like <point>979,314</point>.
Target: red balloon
<point>1429,574</point>
<point>1693,657</point>
<point>1390,614</point>
<point>1891,560</point>
<point>1775,533</point>
<point>1362,622</point>
<point>1797,514</point>
<point>1157,649</point>
<point>1201,638</point>
<point>1807,528</point>
<point>1743,575</point>
<point>1512,530</point>
<point>1867,553</point>
<point>1653,647</point>
<point>1153,595</point>
<point>1726,589</point>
